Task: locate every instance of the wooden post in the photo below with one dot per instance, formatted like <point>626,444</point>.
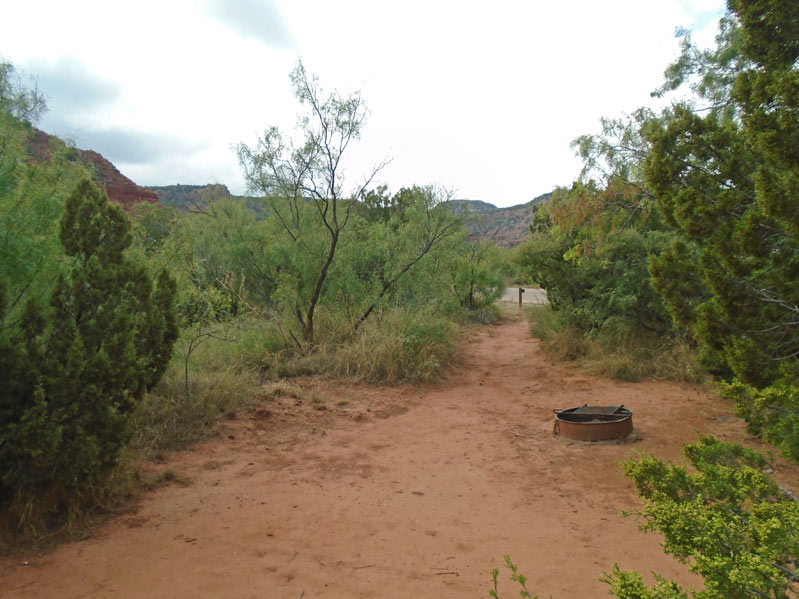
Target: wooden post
<point>521,290</point>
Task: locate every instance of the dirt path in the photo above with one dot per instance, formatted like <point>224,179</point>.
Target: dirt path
<point>409,492</point>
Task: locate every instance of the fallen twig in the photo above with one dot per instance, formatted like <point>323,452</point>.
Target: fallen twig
<point>521,435</point>
<point>362,567</point>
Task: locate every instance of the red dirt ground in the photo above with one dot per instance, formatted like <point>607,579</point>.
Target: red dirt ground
<point>397,492</point>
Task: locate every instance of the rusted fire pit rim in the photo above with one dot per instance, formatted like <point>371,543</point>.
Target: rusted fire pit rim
<point>593,423</point>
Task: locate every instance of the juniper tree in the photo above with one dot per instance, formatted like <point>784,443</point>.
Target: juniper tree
<point>75,367</point>
<point>727,179</point>
<point>304,181</point>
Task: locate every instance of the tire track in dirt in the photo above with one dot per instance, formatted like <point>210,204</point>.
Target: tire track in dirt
<point>396,492</point>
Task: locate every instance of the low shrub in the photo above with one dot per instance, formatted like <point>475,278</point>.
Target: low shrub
<point>621,355</point>
<point>197,388</point>
<point>771,413</point>
<point>722,514</point>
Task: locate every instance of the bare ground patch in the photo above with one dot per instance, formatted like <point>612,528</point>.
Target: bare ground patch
<point>396,492</point>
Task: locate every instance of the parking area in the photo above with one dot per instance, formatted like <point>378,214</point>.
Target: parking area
<point>531,295</point>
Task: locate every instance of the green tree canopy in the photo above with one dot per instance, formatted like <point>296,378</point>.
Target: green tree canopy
<point>726,180</point>
<point>73,368</point>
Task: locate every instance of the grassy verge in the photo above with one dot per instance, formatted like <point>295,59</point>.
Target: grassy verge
<point>622,357</point>
<point>212,378</point>
<point>211,373</point>
<point>391,348</point>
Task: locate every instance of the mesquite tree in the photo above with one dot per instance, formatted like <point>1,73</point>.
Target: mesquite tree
<point>303,181</point>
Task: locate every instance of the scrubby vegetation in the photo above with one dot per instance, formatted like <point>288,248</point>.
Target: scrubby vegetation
<point>122,335</point>
<point>675,254</point>
<point>682,227</point>
<point>724,515</point>
<point>680,239</point>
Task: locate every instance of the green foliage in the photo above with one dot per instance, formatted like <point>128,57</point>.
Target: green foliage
<point>75,369</point>
<point>709,73</point>
<point>728,519</point>
<point>590,248</point>
<point>32,195</point>
<point>397,272</point>
<point>725,516</point>
<point>17,101</point>
<point>303,178</point>
<point>358,251</point>
<point>626,584</point>
<point>185,404</point>
<point>631,358</point>
<point>591,243</point>
<point>515,576</point>
<point>726,181</point>
<point>477,277</point>
<point>771,412</point>
<point>592,258</point>
<point>386,261</point>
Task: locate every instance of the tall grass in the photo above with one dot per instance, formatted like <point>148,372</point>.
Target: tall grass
<point>197,388</point>
<point>395,346</point>
<point>621,354</point>
<point>403,346</point>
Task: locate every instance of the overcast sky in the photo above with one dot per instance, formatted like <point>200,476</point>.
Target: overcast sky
<point>480,97</point>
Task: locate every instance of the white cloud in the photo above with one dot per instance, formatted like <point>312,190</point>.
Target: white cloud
<point>700,6</point>
<point>260,19</point>
<point>481,97</point>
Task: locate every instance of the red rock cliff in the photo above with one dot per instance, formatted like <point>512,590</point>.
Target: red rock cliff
<point>119,188</point>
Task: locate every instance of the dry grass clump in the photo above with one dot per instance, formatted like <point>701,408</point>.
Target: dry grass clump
<point>627,357</point>
<point>180,410</point>
<point>281,388</point>
<point>403,347</point>
<point>396,346</point>
<point>63,514</point>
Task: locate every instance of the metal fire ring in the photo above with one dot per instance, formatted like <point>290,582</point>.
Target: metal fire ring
<point>594,423</point>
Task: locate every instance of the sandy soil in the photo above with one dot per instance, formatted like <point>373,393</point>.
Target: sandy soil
<point>396,492</point>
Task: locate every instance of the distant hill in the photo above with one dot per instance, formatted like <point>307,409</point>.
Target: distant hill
<point>506,227</point>
<point>471,206</point>
<point>185,197</point>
